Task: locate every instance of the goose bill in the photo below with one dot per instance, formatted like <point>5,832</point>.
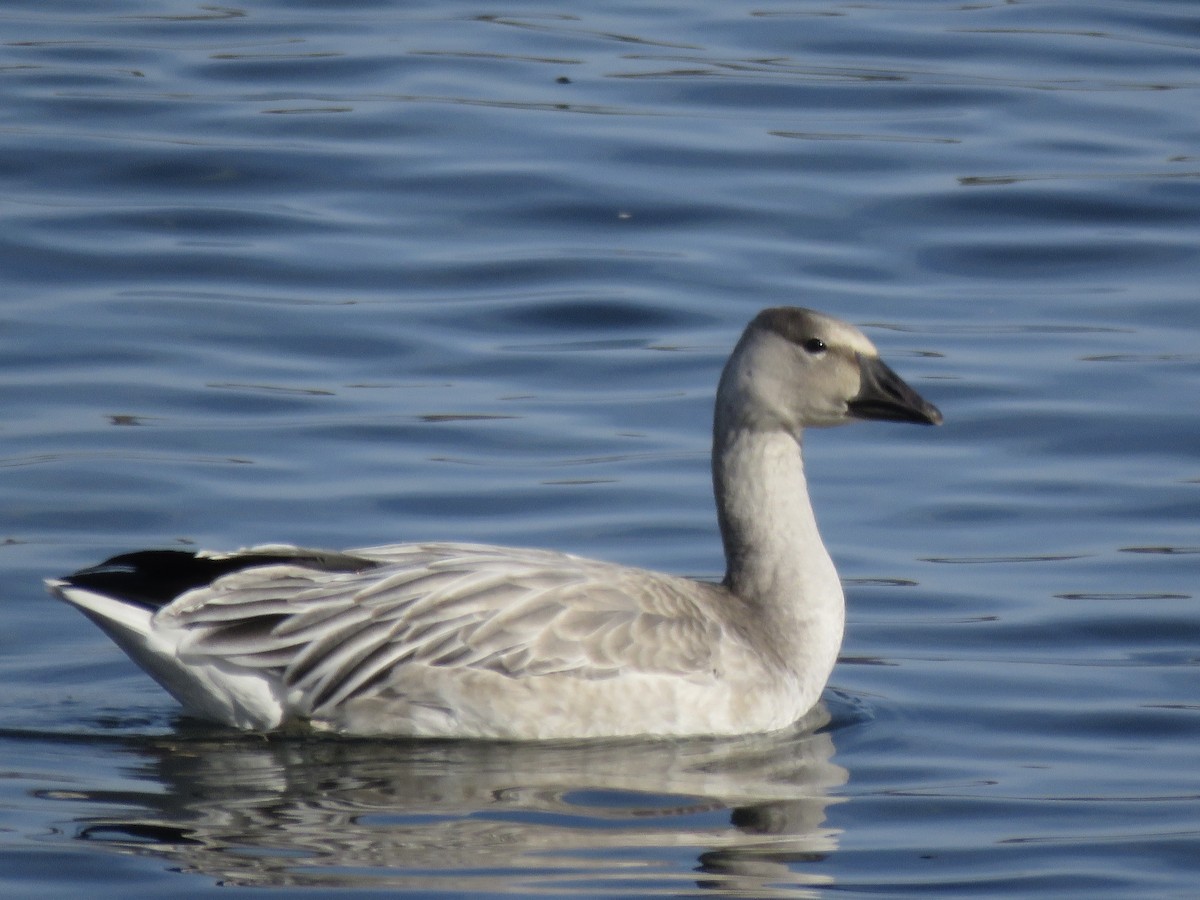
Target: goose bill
<point>885,395</point>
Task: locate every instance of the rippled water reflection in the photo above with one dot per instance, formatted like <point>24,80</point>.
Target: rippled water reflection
<point>472,818</point>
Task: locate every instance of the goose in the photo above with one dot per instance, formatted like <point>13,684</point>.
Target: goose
<point>463,640</point>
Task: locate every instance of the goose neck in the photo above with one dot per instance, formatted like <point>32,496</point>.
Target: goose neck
<point>773,550</point>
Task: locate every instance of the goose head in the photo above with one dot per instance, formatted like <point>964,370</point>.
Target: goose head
<point>795,368</point>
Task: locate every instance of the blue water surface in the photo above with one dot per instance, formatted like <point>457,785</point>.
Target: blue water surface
<point>349,273</point>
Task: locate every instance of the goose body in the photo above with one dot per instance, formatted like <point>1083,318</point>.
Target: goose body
<point>466,640</point>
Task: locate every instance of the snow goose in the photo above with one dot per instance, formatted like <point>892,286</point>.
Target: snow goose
<point>473,641</point>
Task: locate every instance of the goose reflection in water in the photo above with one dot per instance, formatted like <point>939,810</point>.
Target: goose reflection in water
<point>746,814</point>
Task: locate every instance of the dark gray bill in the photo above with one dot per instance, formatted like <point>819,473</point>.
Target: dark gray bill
<point>885,395</point>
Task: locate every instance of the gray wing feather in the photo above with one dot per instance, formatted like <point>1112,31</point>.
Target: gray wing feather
<point>330,635</point>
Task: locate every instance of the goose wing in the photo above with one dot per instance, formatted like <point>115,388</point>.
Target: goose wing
<point>330,635</point>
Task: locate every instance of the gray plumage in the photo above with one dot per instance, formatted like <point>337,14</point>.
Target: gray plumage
<point>477,641</point>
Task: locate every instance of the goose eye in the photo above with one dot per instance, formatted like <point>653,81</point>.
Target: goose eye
<point>814,345</point>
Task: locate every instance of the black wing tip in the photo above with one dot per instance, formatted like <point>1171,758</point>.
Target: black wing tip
<point>147,578</point>
<point>154,578</point>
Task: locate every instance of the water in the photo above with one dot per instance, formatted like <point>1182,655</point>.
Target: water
<point>347,273</point>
